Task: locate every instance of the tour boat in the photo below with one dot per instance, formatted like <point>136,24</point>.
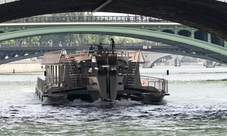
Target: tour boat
<point>92,76</point>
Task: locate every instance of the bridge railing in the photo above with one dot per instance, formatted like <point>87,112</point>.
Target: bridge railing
<point>69,18</point>
<point>82,45</point>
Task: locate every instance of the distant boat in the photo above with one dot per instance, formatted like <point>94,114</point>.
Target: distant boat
<point>93,76</point>
<point>209,64</point>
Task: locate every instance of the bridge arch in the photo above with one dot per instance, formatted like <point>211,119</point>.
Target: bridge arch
<point>152,58</point>
<point>152,64</point>
<point>174,10</point>
<point>171,39</point>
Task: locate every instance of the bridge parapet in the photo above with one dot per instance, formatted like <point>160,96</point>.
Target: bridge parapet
<point>71,18</point>
<point>22,29</point>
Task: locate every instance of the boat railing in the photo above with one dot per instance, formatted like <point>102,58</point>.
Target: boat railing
<point>122,53</point>
<point>51,81</point>
<point>154,83</point>
<point>40,84</point>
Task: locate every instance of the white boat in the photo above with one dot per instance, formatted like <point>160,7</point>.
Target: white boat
<point>91,77</point>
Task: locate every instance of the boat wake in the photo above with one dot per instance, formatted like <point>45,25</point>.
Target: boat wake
<point>98,103</point>
<point>105,104</point>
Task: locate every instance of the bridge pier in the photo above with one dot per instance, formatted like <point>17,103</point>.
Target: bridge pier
<point>177,62</point>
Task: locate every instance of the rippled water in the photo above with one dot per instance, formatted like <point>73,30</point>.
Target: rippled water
<point>197,105</point>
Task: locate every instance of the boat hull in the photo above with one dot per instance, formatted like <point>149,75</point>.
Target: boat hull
<point>150,98</point>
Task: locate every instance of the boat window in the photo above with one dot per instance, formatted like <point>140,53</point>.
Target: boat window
<point>101,60</point>
<point>94,83</point>
<point>112,60</point>
<point>102,72</point>
<point>90,70</point>
<point>113,72</point>
<point>113,69</point>
<point>105,66</point>
<point>120,69</point>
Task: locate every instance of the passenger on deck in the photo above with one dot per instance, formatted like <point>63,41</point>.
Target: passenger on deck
<point>83,52</point>
<point>112,45</point>
<point>100,49</point>
<point>91,49</point>
<point>63,53</point>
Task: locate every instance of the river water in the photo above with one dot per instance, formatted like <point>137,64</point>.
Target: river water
<point>197,105</point>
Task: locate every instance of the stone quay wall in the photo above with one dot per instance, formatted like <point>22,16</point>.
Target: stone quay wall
<point>21,67</point>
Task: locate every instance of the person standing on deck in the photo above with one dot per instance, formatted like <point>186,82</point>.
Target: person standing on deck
<point>100,48</point>
<point>83,52</point>
<point>112,45</point>
<point>91,49</point>
<point>63,53</point>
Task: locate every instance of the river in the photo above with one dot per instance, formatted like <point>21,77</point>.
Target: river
<point>197,105</point>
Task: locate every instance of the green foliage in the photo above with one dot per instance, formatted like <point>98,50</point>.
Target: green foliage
<point>10,42</point>
<point>68,38</point>
<point>32,40</point>
<point>127,40</point>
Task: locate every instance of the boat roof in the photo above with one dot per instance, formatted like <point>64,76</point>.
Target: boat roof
<point>53,57</point>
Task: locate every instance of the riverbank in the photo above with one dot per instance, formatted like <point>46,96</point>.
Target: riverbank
<point>21,67</point>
